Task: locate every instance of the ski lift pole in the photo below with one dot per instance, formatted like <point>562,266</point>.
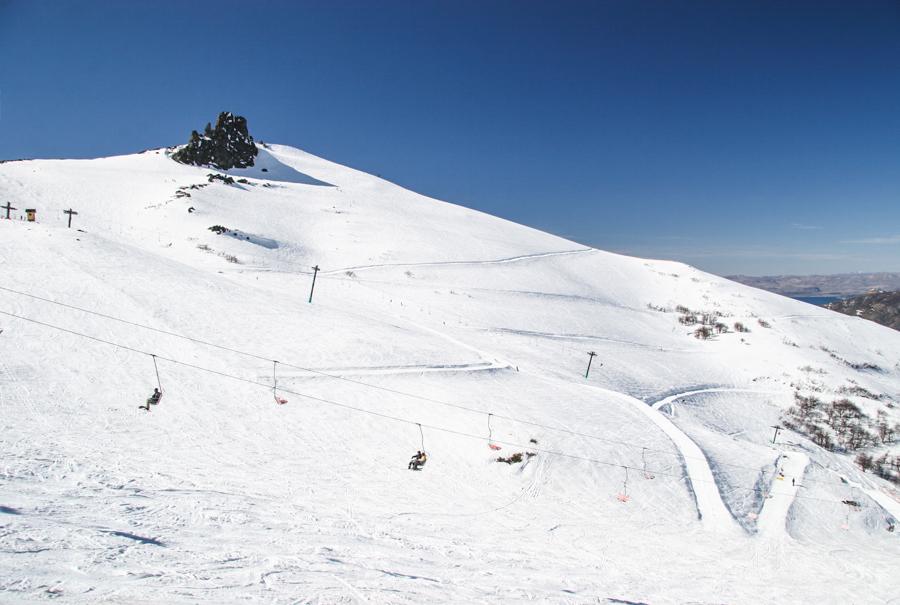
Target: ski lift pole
<point>421,436</point>
<point>775,436</point>
<point>590,359</point>
<point>313,287</point>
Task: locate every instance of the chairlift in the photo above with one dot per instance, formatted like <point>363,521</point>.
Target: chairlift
<point>419,459</point>
<point>154,398</point>
<point>623,495</point>
<point>278,400</point>
<point>491,443</point>
<point>647,474</point>
<point>851,505</point>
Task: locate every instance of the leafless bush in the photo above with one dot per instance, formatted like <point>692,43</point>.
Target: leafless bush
<point>516,458</point>
<point>864,461</point>
<point>859,391</point>
<point>703,333</point>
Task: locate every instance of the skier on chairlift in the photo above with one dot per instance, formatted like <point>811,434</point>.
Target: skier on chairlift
<point>152,400</point>
<point>417,461</point>
<point>155,397</point>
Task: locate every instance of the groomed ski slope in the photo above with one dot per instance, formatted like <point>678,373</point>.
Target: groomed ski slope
<point>424,313</point>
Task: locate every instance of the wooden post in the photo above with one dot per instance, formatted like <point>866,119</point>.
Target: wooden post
<point>70,212</point>
<point>315,272</point>
<point>8,207</point>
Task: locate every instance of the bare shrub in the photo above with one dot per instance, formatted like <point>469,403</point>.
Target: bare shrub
<point>703,333</point>
<point>864,461</point>
<point>516,458</point>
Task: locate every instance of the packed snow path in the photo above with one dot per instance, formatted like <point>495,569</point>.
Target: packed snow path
<point>710,507</point>
<point>659,405</point>
<point>887,501</point>
<point>772,520</point>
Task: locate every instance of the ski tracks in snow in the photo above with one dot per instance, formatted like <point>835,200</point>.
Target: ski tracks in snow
<point>772,519</point>
<point>511,259</point>
<point>673,398</point>
<point>710,506</point>
<point>884,500</point>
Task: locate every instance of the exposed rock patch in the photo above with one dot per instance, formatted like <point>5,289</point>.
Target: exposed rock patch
<point>228,145</point>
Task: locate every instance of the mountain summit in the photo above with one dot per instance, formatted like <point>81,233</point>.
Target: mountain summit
<point>228,145</point>
<point>311,327</point>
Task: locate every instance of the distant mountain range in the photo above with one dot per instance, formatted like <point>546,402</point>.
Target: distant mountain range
<point>841,285</point>
<point>880,307</point>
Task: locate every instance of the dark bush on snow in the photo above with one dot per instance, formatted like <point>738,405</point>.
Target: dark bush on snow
<point>516,458</point>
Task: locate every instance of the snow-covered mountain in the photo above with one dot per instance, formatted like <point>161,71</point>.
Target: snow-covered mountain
<point>436,327</point>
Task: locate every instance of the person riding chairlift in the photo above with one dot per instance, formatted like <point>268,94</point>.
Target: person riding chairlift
<point>152,400</point>
<point>155,397</point>
<point>417,461</point>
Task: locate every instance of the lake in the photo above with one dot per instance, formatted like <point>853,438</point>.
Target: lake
<point>819,301</point>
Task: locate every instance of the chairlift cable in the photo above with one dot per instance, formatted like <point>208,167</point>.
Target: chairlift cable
<point>366,384</point>
<point>680,476</point>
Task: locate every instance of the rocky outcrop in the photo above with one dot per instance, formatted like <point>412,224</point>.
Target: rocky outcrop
<point>228,145</point>
<point>880,307</point>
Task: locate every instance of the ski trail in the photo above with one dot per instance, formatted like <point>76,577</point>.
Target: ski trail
<point>710,506</point>
<point>511,259</point>
<point>772,519</point>
<point>885,501</point>
<point>673,398</point>
<point>484,366</point>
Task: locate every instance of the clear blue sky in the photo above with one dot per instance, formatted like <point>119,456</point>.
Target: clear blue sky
<point>754,137</point>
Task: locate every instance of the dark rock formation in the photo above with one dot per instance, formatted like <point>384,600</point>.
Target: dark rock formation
<point>228,145</point>
<point>880,307</point>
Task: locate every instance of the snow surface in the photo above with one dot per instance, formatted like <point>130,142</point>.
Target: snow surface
<point>424,313</point>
